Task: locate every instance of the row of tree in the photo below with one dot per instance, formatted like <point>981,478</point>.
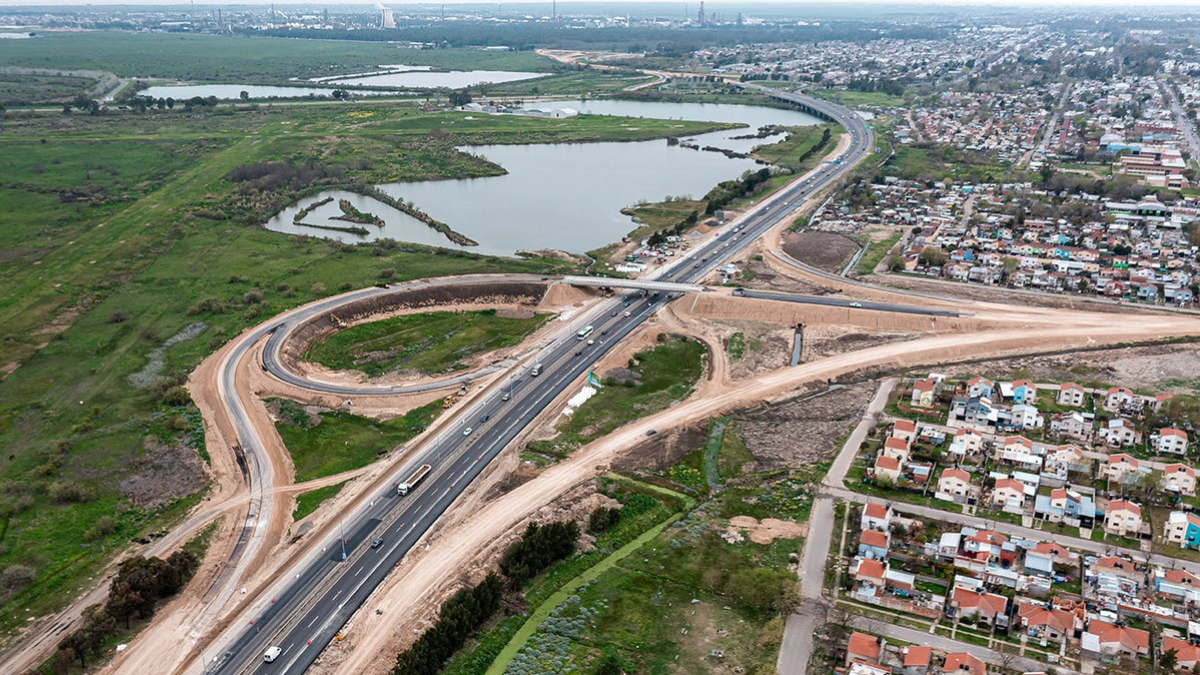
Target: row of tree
<point>140,584</point>
<point>539,547</point>
<point>726,192</point>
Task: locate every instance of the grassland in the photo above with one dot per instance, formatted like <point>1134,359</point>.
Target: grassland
<point>802,149</point>
<point>339,441</point>
<point>307,502</point>
<point>121,230</point>
<point>238,60</point>
<point>23,89</point>
<point>875,253</point>
<point>655,378</point>
<point>858,98</point>
<point>926,162</point>
<point>429,343</point>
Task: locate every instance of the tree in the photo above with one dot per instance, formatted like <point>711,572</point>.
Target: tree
<point>931,256</point>
<point>244,95</point>
<point>1168,661</point>
<point>459,98</point>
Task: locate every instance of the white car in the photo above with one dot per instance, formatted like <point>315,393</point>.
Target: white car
<point>856,304</point>
<point>467,431</point>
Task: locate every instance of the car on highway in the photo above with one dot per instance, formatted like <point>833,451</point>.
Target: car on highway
<point>591,342</point>
<point>484,418</point>
<point>856,304</point>
<point>628,313</point>
<point>506,396</point>
<point>614,313</point>
<point>377,542</point>
<point>467,431</point>
<point>271,654</point>
<point>579,353</point>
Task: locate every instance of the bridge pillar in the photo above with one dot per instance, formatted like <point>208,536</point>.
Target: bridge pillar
<point>797,344</point>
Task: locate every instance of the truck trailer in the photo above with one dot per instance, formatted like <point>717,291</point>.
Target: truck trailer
<point>414,480</point>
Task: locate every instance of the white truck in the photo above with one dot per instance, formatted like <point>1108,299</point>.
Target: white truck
<point>413,480</point>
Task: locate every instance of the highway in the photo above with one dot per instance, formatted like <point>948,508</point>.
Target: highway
<point>323,591</point>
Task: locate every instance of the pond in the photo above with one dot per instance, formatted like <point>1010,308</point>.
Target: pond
<point>566,196</point>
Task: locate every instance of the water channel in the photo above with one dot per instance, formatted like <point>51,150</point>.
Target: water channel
<point>561,196</point>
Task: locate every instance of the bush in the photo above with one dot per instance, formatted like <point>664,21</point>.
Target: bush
<point>67,493</point>
<point>209,305</point>
<point>603,518</point>
<point>252,296</point>
<point>104,526</point>
<point>175,396</point>
<point>538,548</point>
<point>119,316</point>
<point>387,273</point>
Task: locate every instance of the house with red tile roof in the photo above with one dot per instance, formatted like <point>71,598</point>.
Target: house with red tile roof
<point>887,467</point>
<point>1109,639</point>
<point>1171,441</point>
<point>985,606</point>
<point>876,516</point>
<point>1123,518</point>
<point>1043,622</point>
<point>905,430</point>
<point>864,648</point>
<point>924,393</point>
<point>873,544</point>
<point>962,663</point>
<point>916,660</point>
<point>1187,655</point>
<point>896,447</point>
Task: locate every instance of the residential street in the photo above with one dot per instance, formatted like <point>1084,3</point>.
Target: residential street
<point>945,644</point>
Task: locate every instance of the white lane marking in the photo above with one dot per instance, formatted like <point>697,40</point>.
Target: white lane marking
<point>310,623</point>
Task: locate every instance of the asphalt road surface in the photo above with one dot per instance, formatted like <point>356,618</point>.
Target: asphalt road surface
<point>306,615</point>
<point>843,302</point>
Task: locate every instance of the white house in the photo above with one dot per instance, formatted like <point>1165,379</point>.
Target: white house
<point>1119,433</point>
<point>1171,441</point>
<point>1123,518</point>
<point>1070,395</point>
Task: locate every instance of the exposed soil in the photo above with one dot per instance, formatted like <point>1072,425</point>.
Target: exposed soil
<point>765,277</point>
<point>164,473</point>
<point>823,341</point>
<point>981,293</point>
<point>804,430</point>
<point>768,530</point>
<point>1162,368</point>
<point>823,250</point>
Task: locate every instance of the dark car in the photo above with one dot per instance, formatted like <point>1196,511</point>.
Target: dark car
<point>484,418</point>
<point>651,432</point>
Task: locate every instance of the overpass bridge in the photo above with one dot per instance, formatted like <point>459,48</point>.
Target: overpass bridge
<point>639,284</point>
<point>825,110</point>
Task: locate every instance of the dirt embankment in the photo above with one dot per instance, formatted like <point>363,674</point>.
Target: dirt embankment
<point>408,300</point>
<point>825,251</point>
<point>804,430</point>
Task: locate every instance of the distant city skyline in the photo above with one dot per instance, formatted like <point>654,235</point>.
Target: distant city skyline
<point>1074,4</point>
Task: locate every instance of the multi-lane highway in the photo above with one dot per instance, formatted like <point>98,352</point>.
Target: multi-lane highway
<point>829,301</point>
<point>305,612</point>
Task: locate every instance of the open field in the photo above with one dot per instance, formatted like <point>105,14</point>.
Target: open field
<point>23,89</point>
<point>803,149</point>
<point>431,343</point>
<point>128,257</point>
<point>307,502</point>
<point>237,60</point>
<point>654,378</point>
<point>332,442</point>
<point>857,98</point>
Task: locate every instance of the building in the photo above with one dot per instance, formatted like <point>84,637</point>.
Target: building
<point>1120,398</point>
<point>1171,441</point>
<point>1110,640</point>
<point>873,544</point>
<point>1187,655</point>
<point>924,393</point>
<point>985,607</point>
<point>905,430</point>
<point>887,467</point>
<point>876,516</point>
<point>1179,479</point>
<point>1182,528</point>
<point>896,448</point>
<point>916,660</point>
<point>1123,518</point>
<point>1120,468</point>
<point>962,663</point>
<point>954,485</point>
<point>1119,433</point>
<point>1072,425</point>
<point>1009,495</point>
<point>864,648</point>
<point>1024,391</point>
<point>1070,395</point>
<point>966,442</point>
<point>1043,621</point>
<point>981,387</point>
<point>1065,506</point>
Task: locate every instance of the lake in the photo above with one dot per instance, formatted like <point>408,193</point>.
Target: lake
<point>183,92</point>
<point>566,196</point>
<point>412,78</point>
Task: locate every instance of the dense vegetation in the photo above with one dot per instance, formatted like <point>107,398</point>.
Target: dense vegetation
<point>139,585</point>
<point>467,610</point>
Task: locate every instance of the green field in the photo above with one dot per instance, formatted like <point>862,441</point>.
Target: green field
<point>858,98</point>
<point>241,60</point>
<point>429,343</point>
<point>875,253</point>
<point>307,502</point>
<point>341,442</point>
<point>790,152</point>
<point>659,376</point>
<point>26,89</point>
<point>927,162</point>
<point>120,230</point>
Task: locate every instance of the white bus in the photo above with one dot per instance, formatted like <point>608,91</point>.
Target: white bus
<point>582,334</point>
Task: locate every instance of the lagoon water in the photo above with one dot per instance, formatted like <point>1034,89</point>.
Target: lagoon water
<point>422,79</point>
<point>565,196</point>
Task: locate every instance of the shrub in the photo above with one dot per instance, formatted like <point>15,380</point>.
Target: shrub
<point>209,305</point>
<point>603,518</point>
<point>252,296</point>
<point>67,493</point>
<point>387,273</point>
<point>118,316</point>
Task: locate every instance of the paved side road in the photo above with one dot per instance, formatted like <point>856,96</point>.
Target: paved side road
<point>796,648</point>
<point>945,644</point>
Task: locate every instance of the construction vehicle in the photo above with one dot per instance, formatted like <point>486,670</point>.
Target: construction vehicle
<point>414,480</point>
